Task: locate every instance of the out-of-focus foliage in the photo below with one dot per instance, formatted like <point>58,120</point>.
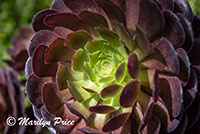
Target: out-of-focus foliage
<point>195,5</point>
<point>14,14</point>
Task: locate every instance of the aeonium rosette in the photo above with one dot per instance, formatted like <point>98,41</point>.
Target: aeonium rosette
<point>115,66</point>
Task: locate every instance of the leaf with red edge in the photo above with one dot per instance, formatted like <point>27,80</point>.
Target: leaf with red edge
<point>42,37</point>
<point>110,91</point>
<point>115,122</point>
<point>113,11</point>
<point>189,35</point>
<point>131,14</point>
<point>172,94</point>
<point>168,124</point>
<point>37,22</point>
<point>66,20</point>
<point>150,18</point>
<point>133,66</point>
<point>39,67</point>
<point>184,62</point>
<point>167,55</point>
<point>60,5</point>
<point>190,90</point>
<point>50,97</point>
<point>166,4</point>
<point>102,109</point>
<point>93,19</point>
<point>147,117</point>
<point>58,52</point>
<point>183,6</point>
<point>154,126</point>
<point>154,83</point>
<point>34,90</point>
<point>175,31</point>
<point>77,39</point>
<point>130,93</point>
<point>78,6</point>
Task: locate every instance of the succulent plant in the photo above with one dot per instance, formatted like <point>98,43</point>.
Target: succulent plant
<point>120,66</point>
<point>18,53</point>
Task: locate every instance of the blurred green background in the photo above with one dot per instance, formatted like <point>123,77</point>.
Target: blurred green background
<point>17,13</point>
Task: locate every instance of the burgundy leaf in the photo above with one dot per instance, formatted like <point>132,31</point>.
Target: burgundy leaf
<point>184,62</point>
<point>60,6</point>
<point>115,122</point>
<point>166,4</point>
<point>150,18</point>
<point>102,109</point>
<point>113,11</point>
<point>43,36</point>
<point>133,66</point>
<point>50,97</point>
<point>110,90</point>
<point>130,93</point>
<point>77,6</point>
<point>66,20</point>
<point>37,22</point>
<point>175,29</point>
<point>39,67</point>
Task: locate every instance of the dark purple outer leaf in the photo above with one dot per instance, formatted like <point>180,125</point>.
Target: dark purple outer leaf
<point>131,14</point>
<point>50,97</point>
<point>102,109</point>
<point>166,4</point>
<point>147,117</point>
<point>183,7</point>
<point>167,51</point>
<point>113,11</point>
<point>78,6</point>
<point>43,36</point>
<point>60,6</point>
<point>133,66</point>
<point>150,18</point>
<point>190,90</point>
<point>194,53</point>
<point>37,22</point>
<point>130,93</point>
<point>184,74</point>
<point>115,122</point>
<point>174,27</point>
<point>172,94</point>
<point>39,67</point>
<point>66,20</point>
<point>189,35</point>
<point>154,83</point>
<point>34,90</point>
